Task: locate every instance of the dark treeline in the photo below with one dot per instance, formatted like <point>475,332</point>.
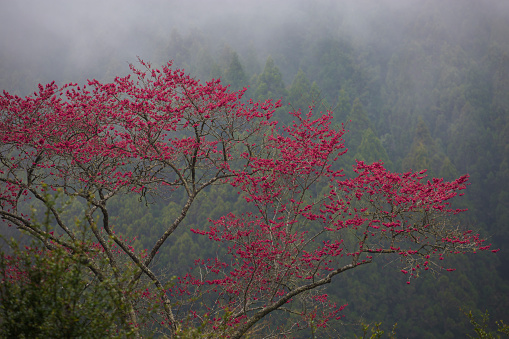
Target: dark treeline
<point>421,85</point>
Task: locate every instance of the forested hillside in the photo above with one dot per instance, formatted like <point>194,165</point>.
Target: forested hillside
<point>419,84</point>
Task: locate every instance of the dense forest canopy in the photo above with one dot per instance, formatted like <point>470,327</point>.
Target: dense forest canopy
<point>422,85</point>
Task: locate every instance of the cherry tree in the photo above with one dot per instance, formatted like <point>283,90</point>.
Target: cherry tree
<point>313,223</point>
<point>159,131</point>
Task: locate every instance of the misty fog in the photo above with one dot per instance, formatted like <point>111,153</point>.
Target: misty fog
<point>75,40</point>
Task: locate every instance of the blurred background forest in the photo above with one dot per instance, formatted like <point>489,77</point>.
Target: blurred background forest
<point>422,84</point>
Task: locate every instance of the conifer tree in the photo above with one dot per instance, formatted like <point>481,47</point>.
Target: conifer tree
<point>234,74</point>
<point>269,84</point>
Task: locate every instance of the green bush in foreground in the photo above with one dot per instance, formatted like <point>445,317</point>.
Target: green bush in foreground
<point>48,294</point>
